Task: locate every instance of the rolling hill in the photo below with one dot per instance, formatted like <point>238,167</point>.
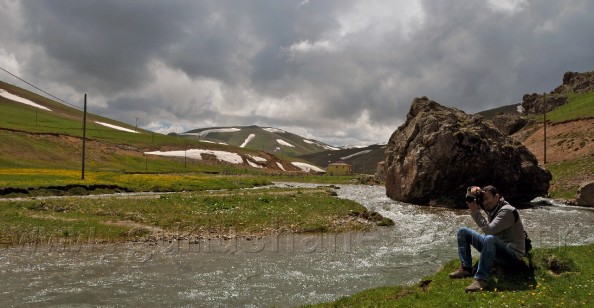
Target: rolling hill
<point>37,132</point>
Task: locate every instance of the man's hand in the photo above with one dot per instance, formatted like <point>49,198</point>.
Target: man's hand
<point>472,206</point>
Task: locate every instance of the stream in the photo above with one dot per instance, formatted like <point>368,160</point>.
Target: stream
<point>278,270</point>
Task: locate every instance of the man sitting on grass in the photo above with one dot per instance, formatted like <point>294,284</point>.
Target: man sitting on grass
<point>503,242</point>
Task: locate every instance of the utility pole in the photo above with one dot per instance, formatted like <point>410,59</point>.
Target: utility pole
<point>137,122</point>
<point>84,137</point>
<point>544,104</point>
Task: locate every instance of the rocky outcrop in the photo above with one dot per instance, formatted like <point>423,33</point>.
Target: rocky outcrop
<point>573,82</point>
<point>585,194</point>
<point>440,151</point>
<point>509,123</point>
<point>539,103</point>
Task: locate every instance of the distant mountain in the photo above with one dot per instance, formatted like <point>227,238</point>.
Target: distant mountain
<point>362,159</point>
<point>268,139</point>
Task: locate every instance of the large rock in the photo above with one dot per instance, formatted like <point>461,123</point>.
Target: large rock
<point>509,123</point>
<point>585,194</point>
<point>440,151</point>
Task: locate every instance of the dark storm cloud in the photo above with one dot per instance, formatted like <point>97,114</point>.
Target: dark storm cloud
<point>107,43</point>
<point>341,71</point>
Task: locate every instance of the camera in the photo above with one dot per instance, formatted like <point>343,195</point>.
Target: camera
<point>474,197</point>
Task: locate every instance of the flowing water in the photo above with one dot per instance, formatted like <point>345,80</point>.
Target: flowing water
<point>277,270</point>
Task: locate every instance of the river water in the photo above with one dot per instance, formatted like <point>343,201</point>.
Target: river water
<point>278,270</point>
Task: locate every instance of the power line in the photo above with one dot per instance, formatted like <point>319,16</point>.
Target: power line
<point>34,86</point>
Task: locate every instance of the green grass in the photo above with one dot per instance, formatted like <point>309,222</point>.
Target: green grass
<point>543,288</point>
<point>195,214</point>
<point>579,106</point>
<point>567,176</point>
<point>43,178</point>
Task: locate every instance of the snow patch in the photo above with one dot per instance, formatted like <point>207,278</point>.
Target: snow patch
<point>213,130</point>
<point>258,158</point>
<point>356,154</point>
<point>21,100</point>
<point>282,142</point>
<point>254,165</point>
<point>306,167</point>
<point>117,127</point>
<point>229,157</point>
<point>327,147</point>
<point>273,130</point>
<point>247,140</point>
<point>280,166</point>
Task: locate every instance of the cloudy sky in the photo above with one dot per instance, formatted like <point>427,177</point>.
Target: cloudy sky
<point>339,71</point>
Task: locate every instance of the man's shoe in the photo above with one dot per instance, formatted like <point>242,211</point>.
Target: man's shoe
<point>461,273</point>
<point>476,285</point>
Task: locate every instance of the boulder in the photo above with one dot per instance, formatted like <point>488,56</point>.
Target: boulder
<point>438,152</point>
<point>585,194</point>
<point>509,123</point>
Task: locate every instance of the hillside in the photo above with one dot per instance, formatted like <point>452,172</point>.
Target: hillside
<point>266,139</point>
<point>36,132</point>
<point>569,131</point>
<point>363,159</point>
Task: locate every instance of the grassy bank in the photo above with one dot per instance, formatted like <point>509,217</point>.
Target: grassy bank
<point>568,176</point>
<point>39,182</point>
<point>193,215</point>
<point>562,277</point>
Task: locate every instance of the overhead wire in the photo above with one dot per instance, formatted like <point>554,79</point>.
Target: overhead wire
<point>36,87</point>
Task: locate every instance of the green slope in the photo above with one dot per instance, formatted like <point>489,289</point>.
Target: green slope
<point>31,137</point>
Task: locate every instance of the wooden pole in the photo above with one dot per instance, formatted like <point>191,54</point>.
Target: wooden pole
<point>84,138</point>
<point>544,104</point>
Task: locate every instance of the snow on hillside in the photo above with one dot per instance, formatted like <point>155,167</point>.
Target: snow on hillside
<point>208,141</point>
<point>21,100</point>
<point>273,130</point>
<point>306,167</point>
<point>213,130</point>
<point>327,147</point>
<point>117,127</point>
<point>356,154</point>
<point>258,158</point>
<point>247,140</point>
<point>280,166</point>
<point>282,142</point>
<point>229,157</point>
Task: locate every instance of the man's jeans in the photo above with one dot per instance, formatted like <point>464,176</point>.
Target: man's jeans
<point>492,249</point>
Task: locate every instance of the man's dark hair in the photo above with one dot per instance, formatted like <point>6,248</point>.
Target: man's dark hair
<point>492,189</point>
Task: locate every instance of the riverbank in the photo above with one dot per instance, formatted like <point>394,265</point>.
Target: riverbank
<point>561,277</point>
<point>190,216</point>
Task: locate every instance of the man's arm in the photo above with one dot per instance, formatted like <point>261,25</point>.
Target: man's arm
<point>505,219</point>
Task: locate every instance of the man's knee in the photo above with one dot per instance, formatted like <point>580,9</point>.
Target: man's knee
<point>489,240</point>
<point>462,232</point>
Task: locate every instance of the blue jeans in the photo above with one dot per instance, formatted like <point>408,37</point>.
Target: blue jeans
<point>492,249</point>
